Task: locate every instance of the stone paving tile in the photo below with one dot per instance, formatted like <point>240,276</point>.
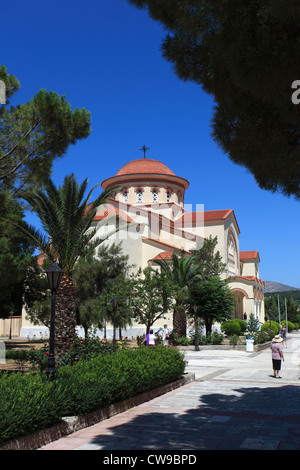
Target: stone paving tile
<point>242,408</point>
<point>259,443</point>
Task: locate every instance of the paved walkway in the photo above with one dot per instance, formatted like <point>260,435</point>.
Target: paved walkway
<point>235,403</point>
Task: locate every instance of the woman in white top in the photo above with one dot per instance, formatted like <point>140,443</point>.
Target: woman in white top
<point>150,338</point>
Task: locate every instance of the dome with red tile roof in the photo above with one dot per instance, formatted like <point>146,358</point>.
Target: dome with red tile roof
<point>145,166</point>
<point>137,172</point>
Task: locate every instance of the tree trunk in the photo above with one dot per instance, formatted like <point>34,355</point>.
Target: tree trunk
<point>208,327</point>
<point>179,321</point>
<point>65,314</point>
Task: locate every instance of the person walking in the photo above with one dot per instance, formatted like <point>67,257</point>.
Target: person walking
<point>277,355</point>
<point>166,335</point>
<point>150,338</point>
<point>283,332</point>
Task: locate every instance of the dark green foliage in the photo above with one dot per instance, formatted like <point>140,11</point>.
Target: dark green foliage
<point>253,323</point>
<point>66,217</point>
<point>272,325</point>
<point>183,273</point>
<point>242,324</point>
<point>263,336</point>
<point>112,378</point>
<point>214,301</point>
<point>242,53</point>
<point>30,402</point>
<point>285,299</point>
<point>209,259</point>
<point>151,296</point>
<point>15,257</point>
<point>27,403</point>
<point>231,328</point>
<point>97,279</point>
<point>33,134</point>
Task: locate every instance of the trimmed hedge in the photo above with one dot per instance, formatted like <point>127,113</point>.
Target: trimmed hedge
<point>231,328</point>
<point>30,402</point>
<point>272,325</point>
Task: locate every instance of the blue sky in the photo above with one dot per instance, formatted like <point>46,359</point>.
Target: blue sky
<point>104,55</point>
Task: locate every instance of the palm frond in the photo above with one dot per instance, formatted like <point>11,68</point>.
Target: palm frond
<point>66,217</point>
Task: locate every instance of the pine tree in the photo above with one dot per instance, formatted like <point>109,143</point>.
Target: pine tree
<point>33,134</point>
<point>244,53</point>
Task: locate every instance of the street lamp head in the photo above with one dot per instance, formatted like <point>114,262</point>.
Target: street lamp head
<point>54,274</point>
<point>114,302</point>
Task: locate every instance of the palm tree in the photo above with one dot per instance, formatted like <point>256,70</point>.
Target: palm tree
<point>184,272</point>
<point>66,217</point>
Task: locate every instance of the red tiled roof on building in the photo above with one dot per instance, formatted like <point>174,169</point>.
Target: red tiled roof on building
<point>206,217</point>
<point>248,255</point>
<point>110,211</point>
<point>247,278</point>
<point>166,255</point>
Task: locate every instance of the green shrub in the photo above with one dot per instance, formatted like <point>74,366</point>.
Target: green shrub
<point>91,346</point>
<point>234,339</point>
<point>242,324</point>
<point>20,354</point>
<point>29,402</point>
<point>231,328</point>
<point>216,338</point>
<point>183,341</point>
<point>263,336</point>
<point>202,339</point>
<point>253,323</point>
<point>271,325</point>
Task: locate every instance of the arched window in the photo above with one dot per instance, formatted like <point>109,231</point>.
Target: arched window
<point>231,255</point>
<point>139,195</point>
<point>169,195</point>
<point>125,195</point>
<point>154,195</point>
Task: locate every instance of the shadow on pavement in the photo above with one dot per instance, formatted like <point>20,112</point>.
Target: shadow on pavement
<point>251,418</point>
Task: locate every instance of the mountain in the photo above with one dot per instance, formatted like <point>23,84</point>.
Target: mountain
<point>272,287</point>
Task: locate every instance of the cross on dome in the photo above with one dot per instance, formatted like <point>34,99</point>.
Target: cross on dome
<point>144,149</point>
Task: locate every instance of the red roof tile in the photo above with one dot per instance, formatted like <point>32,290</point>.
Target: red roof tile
<point>166,255</point>
<point>247,278</point>
<point>208,216</point>
<point>110,211</point>
<point>247,255</point>
<point>145,166</point>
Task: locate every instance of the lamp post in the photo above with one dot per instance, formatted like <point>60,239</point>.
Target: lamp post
<point>195,308</point>
<point>114,302</point>
<point>54,275</point>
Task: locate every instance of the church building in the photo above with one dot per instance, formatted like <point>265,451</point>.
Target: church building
<point>150,198</point>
